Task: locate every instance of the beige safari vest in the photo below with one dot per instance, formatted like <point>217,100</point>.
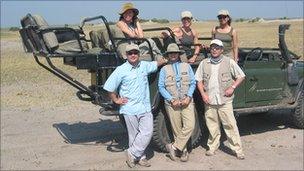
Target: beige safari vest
<point>225,78</point>
<point>170,81</point>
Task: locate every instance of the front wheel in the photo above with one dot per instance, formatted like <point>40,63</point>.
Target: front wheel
<point>298,114</point>
<point>162,133</point>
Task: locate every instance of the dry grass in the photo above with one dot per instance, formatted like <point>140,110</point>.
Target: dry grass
<point>26,85</point>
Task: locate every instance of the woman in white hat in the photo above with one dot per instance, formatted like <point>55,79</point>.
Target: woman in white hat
<point>187,36</point>
<point>129,24</point>
<point>226,34</point>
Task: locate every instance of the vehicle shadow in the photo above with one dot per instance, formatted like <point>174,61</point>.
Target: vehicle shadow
<point>104,132</point>
<point>256,124</point>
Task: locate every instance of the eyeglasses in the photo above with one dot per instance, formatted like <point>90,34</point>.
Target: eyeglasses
<point>132,53</point>
<point>222,17</point>
<point>215,48</point>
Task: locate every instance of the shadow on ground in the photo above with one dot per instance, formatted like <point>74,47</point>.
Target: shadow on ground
<point>104,132</point>
<point>256,124</point>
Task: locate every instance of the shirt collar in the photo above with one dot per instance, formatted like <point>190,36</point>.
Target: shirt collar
<point>130,67</point>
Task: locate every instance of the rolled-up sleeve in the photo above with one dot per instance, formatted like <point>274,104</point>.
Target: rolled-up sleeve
<point>162,86</point>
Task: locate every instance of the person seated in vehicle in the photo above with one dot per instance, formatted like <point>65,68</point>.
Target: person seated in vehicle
<point>227,34</point>
<point>186,37</point>
<point>129,24</point>
<point>177,84</point>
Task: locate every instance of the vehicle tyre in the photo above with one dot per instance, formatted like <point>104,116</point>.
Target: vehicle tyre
<point>298,114</point>
<point>162,132</point>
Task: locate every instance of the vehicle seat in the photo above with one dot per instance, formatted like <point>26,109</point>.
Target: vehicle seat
<point>52,42</point>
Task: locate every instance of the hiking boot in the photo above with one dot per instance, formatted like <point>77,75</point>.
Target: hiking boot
<point>210,153</point>
<point>240,156</point>
<point>130,160</point>
<point>171,152</point>
<point>184,156</point>
<point>144,162</point>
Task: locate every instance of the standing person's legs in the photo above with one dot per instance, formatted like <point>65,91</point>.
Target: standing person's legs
<point>175,120</point>
<point>132,128</point>
<point>187,127</point>
<point>143,134</point>
<point>213,124</point>
<point>230,127</point>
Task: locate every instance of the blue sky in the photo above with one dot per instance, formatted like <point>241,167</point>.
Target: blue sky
<point>70,12</point>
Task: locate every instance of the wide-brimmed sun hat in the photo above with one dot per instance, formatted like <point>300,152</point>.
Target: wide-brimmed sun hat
<point>223,12</point>
<point>128,6</point>
<point>173,48</point>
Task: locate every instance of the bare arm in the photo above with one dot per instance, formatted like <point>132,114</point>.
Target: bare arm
<point>116,99</point>
<point>124,28</point>
<point>196,48</point>
<point>235,45</point>
<point>234,85</point>
<point>213,33</point>
<point>200,87</point>
<point>138,30</point>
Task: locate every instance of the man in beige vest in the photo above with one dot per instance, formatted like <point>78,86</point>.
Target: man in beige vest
<point>177,84</point>
<point>217,78</point>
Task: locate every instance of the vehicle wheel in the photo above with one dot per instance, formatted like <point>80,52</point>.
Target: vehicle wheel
<point>162,133</point>
<point>298,114</point>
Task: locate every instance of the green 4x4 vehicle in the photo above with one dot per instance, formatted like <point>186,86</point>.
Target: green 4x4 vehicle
<point>274,76</point>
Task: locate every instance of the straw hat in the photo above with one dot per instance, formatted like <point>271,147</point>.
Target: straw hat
<point>129,6</point>
<point>173,48</point>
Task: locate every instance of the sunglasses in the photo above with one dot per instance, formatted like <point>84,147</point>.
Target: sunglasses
<point>215,48</point>
<point>132,53</point>
<point>222,17</point>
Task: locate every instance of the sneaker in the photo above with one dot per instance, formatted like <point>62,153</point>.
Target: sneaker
<point>171,152</point>
<point>144,162</point>
<point>210,153</point>
<point>240,156</point>
<point>130,160</point>
<point>184,156</point>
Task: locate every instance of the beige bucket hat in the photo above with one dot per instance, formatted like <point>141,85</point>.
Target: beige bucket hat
<point>131,47</point>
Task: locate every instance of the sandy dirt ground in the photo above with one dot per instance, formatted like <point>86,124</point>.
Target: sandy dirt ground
<point>45,127</point>
<point>77,137</point>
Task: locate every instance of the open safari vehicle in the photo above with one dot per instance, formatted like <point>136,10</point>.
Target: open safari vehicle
<point>274,76</point>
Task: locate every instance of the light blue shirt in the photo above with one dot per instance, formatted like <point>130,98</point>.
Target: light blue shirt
<point>176,69</point>
<point>132,83</point>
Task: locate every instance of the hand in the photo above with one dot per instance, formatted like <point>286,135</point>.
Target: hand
<point>206,98</point>
<point>192,59</point>
<point>229,92</point>
<point>204,46</point>
<point>121,101</point>
<point>186,101</point>
<point>175,103</point>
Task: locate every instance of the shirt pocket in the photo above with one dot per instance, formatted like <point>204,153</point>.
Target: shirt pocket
<point>226,77</point>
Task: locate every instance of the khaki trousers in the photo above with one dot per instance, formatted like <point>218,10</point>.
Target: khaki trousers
<point>182,122</point>
<point>217,114</point>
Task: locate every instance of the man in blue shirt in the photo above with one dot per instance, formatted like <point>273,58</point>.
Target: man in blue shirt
<point>128,87</point>
<point>177,84</point>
